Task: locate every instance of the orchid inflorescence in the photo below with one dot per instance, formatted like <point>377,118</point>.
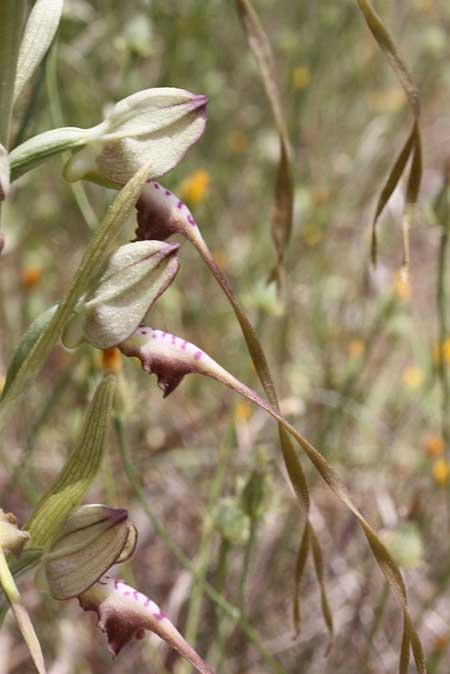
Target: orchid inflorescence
<point>140,139</point>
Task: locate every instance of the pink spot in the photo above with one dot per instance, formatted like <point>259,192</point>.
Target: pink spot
<point>156,186</point>
<point>154,335</point>
<point>180,205</point>
<point>144,331</point>
<point>167,193</point>
<point>163,334</point>
<point>160,616</point>
<point>191,220</point>
<point>198,355</point>
<point>174,339</point>
<point>116,584</point>
<point>126,593</point>
<point>184,345</point>
<point>147,601</point>
<point>135,595</point>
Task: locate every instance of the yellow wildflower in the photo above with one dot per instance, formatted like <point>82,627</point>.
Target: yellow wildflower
<point>355,348</point>
<point>401,286</point>
<point>301,77</point>
<point>412,377</point>
<point>237,141</point>
<point>31,276</point>
<point>193,189</point>
<point>312,235</point>
<point>445,350</point>
<point>441,472</point>
<point>110,360</point>
<point>434,445</point>
<point>436,353</point>
<point>242,412</point>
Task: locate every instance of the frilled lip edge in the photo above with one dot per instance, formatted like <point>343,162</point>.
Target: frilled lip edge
<point>117,560</point>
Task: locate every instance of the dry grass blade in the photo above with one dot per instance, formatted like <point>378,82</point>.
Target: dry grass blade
<point>290,456</point>
<point>284,191</point>
<point>411,149</point>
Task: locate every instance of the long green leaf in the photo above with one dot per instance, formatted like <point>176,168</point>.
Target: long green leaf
<point>106,233</point>
<point>79,471</point>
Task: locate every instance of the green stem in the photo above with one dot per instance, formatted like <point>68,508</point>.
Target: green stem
<point>201,563</point>
<point>162,532</point>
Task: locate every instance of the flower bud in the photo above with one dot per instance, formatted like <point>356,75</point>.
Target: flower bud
<point>12,539</point>
<point>92,539</point>
<point>131,281</point>
<point>158,124</point>
<point>124,613</point>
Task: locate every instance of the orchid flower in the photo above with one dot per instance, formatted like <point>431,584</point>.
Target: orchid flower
<point>124,613</point>
<point>92,539</point>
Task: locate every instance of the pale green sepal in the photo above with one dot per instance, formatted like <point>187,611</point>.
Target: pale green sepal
<point>131,281</point>
<point>40,30</point>
<point>92,539</point>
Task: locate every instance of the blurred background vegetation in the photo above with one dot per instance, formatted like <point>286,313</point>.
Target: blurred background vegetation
<point>360,356</point>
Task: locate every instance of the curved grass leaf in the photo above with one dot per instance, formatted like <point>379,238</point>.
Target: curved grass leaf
<point>412,148</point>
<point>290,456</point>
<point>284,191</point>
<point>79,470</point>
<point>171,362</point>
<point>105,234</point>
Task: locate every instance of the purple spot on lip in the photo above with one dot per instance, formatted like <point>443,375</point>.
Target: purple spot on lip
<point>156,186</point>
<point>184,345</point>
<point>167,193</point>
<point>191,220</point>
<point>180,205</point>
<point>174,339</point>
<point>160,616</point>
<point>116,584</point>
<point>147,601</point>
<point>135,595</point>
<point>126,593</point>
<point>198,355</point>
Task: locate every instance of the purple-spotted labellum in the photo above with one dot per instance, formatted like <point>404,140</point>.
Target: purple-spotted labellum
<point>161,214</point>
<point>172,358</point>
<point>124,613</point>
